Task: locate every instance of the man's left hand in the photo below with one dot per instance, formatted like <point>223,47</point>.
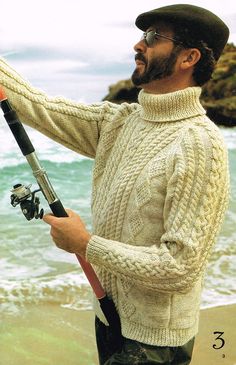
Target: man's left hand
<point>69,233</point>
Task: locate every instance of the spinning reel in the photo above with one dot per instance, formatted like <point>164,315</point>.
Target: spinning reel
<point>29,203</point>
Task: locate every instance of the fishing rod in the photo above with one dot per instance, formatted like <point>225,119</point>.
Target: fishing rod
<point>29,204</point>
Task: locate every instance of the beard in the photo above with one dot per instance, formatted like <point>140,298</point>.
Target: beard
<point>156,69</point>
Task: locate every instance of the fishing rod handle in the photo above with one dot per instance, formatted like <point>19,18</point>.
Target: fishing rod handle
<point>59,211</point>
<point>92,277</point>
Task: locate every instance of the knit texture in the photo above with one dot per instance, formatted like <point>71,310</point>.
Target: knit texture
<point>160,191</point>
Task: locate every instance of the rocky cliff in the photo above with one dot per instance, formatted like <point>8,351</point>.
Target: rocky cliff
<point>218,95</point>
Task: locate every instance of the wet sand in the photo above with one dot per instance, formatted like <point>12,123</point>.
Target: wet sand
<point>48,335</point>
<point>51,335</point>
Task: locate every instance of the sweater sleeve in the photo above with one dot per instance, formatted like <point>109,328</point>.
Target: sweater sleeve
<point>196,200</point>
<point>74,125</point>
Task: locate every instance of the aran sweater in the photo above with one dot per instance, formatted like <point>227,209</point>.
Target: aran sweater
<point>160,191</point>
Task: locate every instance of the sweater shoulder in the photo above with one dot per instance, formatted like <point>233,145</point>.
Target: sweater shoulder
<point>205,133</point>
<point>115,115</point>
<point>118,111</point>
<point>199,142</point>
<point>209,129</point>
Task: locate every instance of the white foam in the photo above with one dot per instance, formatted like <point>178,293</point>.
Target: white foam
<point>69,289</point>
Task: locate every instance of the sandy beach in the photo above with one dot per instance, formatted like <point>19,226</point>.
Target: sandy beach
<point>48,335</point>
<point>218,319</point>
<point>52,335</point>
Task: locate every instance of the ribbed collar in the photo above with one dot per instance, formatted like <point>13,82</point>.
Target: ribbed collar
<point>175,106</point>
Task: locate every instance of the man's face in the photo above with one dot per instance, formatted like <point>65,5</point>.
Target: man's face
<point>156,62</point>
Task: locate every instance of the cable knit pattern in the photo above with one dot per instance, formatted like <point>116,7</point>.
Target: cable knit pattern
<point>160,191</point>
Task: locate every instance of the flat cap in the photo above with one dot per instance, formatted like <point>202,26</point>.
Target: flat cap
<point>205,25</point>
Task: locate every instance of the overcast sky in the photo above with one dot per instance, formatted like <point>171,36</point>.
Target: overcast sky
<point>53,36</point>
<point>86,23</point>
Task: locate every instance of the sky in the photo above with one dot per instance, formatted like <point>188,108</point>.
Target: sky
<point>58,44</point>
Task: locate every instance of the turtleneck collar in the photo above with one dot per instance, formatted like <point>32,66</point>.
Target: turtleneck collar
<point>175,106</point>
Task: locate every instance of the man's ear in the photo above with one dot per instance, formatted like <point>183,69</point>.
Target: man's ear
<point>189,58</point>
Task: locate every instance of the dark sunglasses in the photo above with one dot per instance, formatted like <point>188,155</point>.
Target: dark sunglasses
<point>151,36</point>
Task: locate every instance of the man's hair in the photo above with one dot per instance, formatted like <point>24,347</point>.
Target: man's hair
<point>205,66</point>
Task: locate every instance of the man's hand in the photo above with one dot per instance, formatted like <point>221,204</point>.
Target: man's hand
<point>69,233</point>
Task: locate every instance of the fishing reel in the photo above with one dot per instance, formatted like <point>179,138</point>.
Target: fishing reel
<point>29,203</point>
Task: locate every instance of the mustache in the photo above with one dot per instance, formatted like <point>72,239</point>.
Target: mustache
<point>140,57</point>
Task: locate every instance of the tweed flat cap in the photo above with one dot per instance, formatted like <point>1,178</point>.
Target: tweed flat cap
<point>205,25</point>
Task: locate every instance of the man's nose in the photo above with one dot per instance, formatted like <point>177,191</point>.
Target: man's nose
<point>140,47</point>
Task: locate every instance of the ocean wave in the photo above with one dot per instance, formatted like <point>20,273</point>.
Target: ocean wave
<point>70,290</point>
<point>46,149</point>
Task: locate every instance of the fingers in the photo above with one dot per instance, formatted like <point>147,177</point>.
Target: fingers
<point>68,233</point>
<point>52,220</point>
<point>48,218</point>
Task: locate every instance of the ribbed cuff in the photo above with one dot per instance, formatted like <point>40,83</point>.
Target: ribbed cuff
<point>97,249</point>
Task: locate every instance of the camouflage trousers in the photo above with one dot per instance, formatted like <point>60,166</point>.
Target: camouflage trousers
<point>130,352</point>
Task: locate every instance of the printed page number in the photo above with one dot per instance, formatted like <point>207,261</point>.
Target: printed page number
<point>220,341</point>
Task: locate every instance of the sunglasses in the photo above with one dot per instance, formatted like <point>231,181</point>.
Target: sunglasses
<point>151,36</point>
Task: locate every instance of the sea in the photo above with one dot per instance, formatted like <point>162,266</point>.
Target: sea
<point>34,271</point>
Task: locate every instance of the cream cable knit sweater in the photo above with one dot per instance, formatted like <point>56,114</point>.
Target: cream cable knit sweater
<point>160,191</point>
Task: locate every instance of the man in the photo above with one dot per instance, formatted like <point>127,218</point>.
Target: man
<point>160,184</point>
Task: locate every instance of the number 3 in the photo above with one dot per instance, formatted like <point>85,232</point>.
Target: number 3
<point>220,339</point>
